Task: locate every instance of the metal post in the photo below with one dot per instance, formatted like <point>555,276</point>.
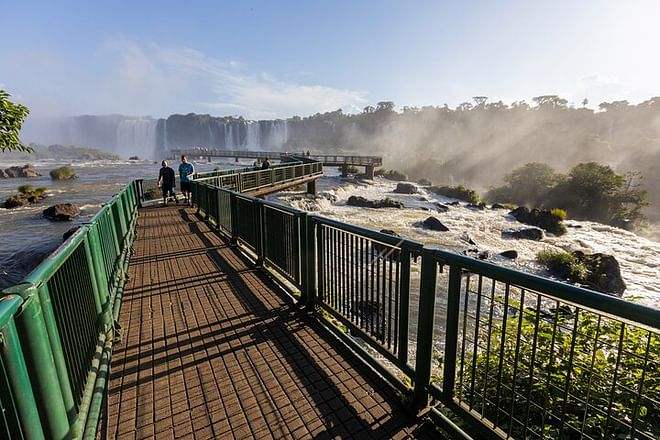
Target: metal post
<point>451,335</point>
<point>139,189</point>
<point>404,288</point>
<point>425,329</point>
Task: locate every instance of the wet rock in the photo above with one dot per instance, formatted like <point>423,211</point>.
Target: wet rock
<point>364,203</point>
<point>604,272</point>
<point>69,233</point>
<point>62,212</point>
<point>476,253</point>
<point>535,234</point>
<point>477,206</point>
<point>441,208</point>
<point>454,203</point>
<point>512,254</point>
<point>24,171</point>
<point>3,174</point>
<point>405,188</point>
<point>433,224</point>
<point>544,219</point>
<point>466,238</point>
<point>497,206</point>
<point>424,208</point>
<point>14,202</point>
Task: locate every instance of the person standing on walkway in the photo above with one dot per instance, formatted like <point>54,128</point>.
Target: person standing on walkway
<point>266,164</point>
<point>166,182</point>
<point>186,172</point>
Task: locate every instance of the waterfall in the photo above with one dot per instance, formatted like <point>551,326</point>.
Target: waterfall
<point>137,137</point>
<point>278,134</point>
<point>165,145</point>
<point>211,138</point>
<point>229,139</point>
<point>253,138</point>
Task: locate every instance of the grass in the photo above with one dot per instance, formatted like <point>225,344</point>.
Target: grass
<point>63,173</point>
<point>561,263</point>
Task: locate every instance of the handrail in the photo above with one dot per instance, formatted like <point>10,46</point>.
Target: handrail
<point>360,278</point>
<point>63,310</point>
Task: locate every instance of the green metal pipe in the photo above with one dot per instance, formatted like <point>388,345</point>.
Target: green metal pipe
<point>601,303</point>
<point>54,261</point>
<point>79,426</point>
<point>12,355</point>
<point>41,366</point>
<point>425,329</point>
<point>451,332</point>
<point>99,391</point>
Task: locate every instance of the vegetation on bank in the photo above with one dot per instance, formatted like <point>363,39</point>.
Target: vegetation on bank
<point>391,175</point>
<point>456,192</point>
<point>63,153</point>
<point>530,356</point>
<point>590,191</point>
<point>65,172</point>
<point>560,262</point>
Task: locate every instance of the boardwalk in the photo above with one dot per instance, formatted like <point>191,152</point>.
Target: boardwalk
<point>211,348</point>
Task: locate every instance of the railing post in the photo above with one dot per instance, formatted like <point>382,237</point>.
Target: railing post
<point>308,261</point>
<point>41,365</point>
<point>233,207</point>
<point>139,190</point>
<point>404,289</point>
<point>425,329</point>
<point>451,334</point>
<point>260,228</point>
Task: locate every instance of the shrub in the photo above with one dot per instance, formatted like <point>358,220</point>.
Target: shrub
<point>456,192</point>
<point>25,189</point>
<point>558,212</point>
<point>63,173</point>
<point>425,181</point>
<point>395,175</point>
<point>564,265</point>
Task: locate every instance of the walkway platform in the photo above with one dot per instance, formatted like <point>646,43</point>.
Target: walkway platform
<point>212,348</point>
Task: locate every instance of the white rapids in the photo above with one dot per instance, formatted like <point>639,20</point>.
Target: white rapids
<point>639,258</point>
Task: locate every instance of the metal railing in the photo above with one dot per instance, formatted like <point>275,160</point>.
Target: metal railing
<point>57,329</point>
<point>513,355</point>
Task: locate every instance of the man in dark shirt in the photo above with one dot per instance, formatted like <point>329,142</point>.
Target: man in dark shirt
<point>166,182</point>
<point>266,164</point>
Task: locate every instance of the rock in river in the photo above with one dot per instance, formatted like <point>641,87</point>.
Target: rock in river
<point>535,234</point>
<point>433,224</point>
<point>405,188</point>
<point>62,212</point>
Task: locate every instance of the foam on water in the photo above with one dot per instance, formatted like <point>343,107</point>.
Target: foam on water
<point>638,257</point>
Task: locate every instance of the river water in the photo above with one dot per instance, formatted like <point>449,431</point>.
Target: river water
<point>26,237</point>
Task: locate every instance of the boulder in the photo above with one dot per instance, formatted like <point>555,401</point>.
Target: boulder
<point>535,234</point>
<point>14,202</point>
<point>434,224</point>
<point>476,253</point>
<point>24,171</point>
<point>604,272</point>
<point>364,203</point>
<point>62,212</point>
<point>477,206</point>
<point>497,206</point>
<point>544,219</point>
<point>405,188</point>
<point>512,254</point>
<point>466,237</point>
<point>3,174</point>
<point>69,233</point>
<point>441,208</point>
<point>454,203</point>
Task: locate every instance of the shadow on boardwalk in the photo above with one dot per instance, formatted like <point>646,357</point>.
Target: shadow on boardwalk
<point>213,349</point>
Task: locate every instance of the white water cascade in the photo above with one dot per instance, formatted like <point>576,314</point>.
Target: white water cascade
<point>278,133</point>
<point>137,137</point>
<point>229,138</point>
<point>253,138</point>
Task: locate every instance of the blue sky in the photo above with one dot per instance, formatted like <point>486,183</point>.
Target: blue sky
<point>276,59</point>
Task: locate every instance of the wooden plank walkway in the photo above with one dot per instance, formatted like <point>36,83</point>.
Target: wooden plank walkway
<point>211,348</point>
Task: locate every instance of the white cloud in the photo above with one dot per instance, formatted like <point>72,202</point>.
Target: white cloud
<point>162,80</point>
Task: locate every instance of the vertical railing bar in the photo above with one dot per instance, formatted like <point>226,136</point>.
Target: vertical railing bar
<point>397,280</point>
<point>464,334</point>
<point>641,386</point>
<point>532,361</point>
<point>493,285</point>
<point>498,392</point>
<point>390,260</point>
<point>614,379</point>
<point>515,359</point>
<point>404,306</point>
<point>550,361</point>
<point>378,332</point>
<point>476,340</point>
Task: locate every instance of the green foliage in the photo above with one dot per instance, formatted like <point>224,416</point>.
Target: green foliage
<point>564,263</point>
<point>526,185</point>
<point>558,212</point>
<point>456,192</point>
<point>590,191</point>
<point>425,181</point>
<point>391,174</point>
<point>63,173</point>
<point>560,359</point>
<point>11,120</point>
<point>25,189</point>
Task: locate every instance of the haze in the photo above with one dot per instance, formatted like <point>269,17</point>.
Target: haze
<point>264,60</point>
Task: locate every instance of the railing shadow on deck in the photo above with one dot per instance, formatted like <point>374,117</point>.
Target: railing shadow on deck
<point>279,326</point>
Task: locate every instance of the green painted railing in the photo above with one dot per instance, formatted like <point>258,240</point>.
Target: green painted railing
<point>57,329</point>
<point>512,355</point>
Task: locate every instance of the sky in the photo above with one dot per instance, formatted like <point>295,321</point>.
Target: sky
<point>276,59</point>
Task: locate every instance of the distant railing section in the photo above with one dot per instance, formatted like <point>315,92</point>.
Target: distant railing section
<point>65,311</point>
<point>515,355</point>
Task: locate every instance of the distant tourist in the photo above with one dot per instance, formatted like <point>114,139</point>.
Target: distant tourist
<point>186,171</point>
<point>307,153</point>
<point>266,164</point>
<point>166,182</point>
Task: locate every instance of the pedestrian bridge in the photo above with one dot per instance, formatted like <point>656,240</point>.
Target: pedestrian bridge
<point>242,318</point>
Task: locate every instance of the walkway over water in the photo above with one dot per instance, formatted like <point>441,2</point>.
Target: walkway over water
<point>213,348</point>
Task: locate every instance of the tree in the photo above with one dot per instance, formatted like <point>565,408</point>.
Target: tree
<point>385,106</point>
<point>550,101</point>
<point>527,185</point>
<point>11,120</point>
<point>480,100</point>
